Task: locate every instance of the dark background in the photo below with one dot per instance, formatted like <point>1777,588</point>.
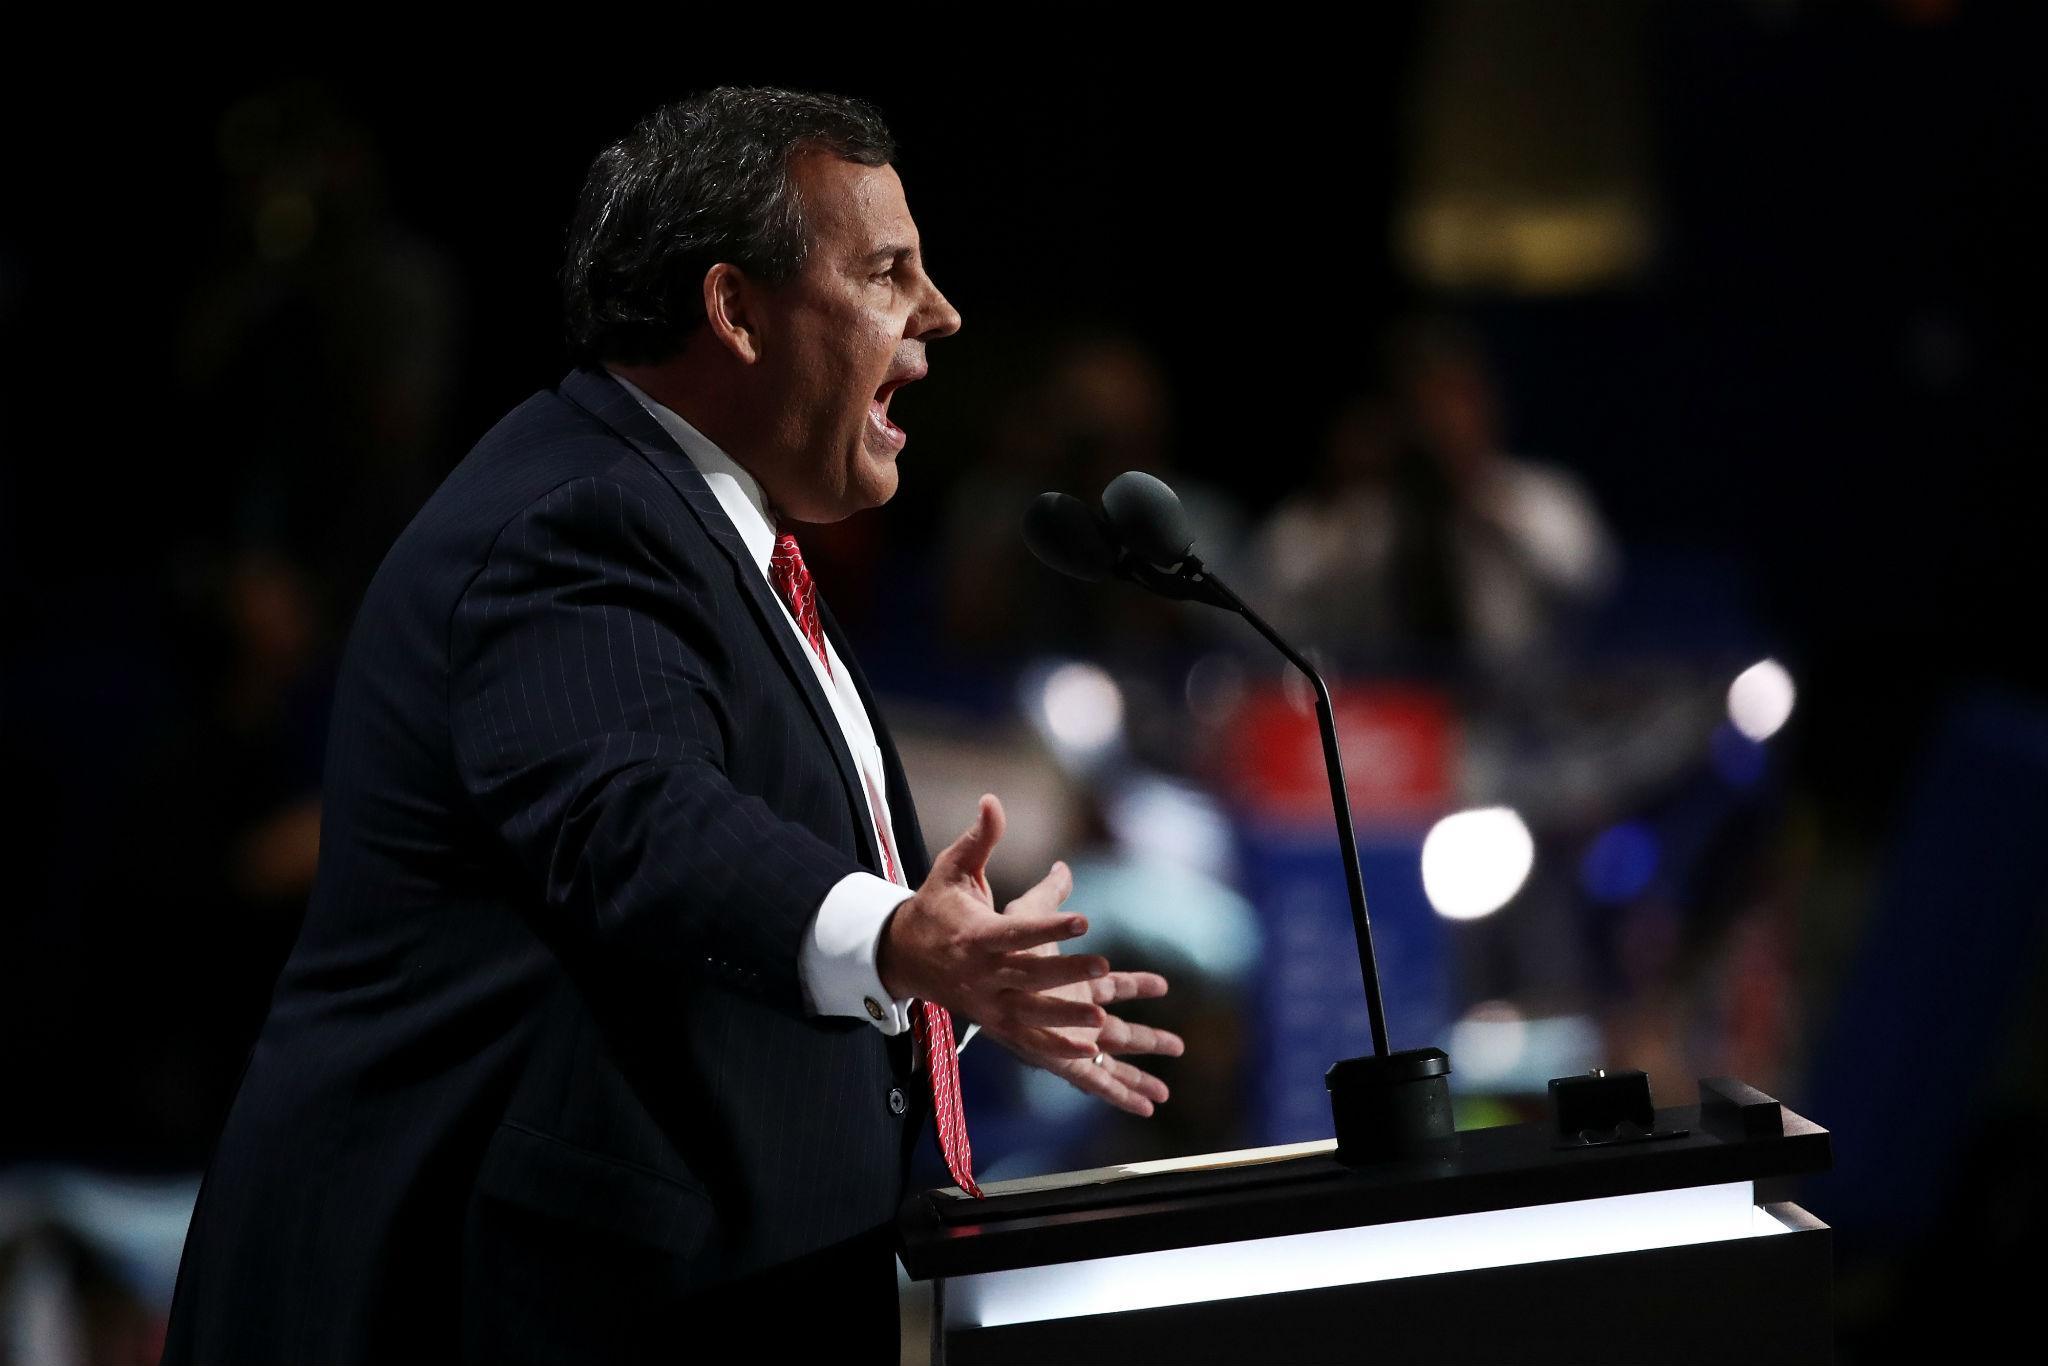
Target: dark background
<point>1824,382</point>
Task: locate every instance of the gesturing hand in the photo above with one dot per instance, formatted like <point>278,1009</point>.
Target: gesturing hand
<point>1005,972</point>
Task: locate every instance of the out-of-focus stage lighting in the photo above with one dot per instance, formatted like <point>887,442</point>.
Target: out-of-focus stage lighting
<point>1621,863</point>
<point>1760,699</point>
<point>1081,708</point>
<point>1740,761</point>
<point>1501,1051</point>
<point>1490,1040</point>
<point>1474,862</point>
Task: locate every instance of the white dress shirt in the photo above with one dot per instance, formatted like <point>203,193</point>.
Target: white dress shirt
<point>837,961</point>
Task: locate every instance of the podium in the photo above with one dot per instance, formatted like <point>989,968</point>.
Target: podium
<point>1522,1246</point>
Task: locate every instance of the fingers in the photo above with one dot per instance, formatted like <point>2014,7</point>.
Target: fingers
<point>968,856</point>
<point>1051,1012</point>
<point>1112,987</point>
<point>1136,1079</point>
<point>1121,1036</point>
<point>1041,972</point>
<point>1032,919</point>
<point>1018,931</point>
<point>1119,1083</point>
<point>1023,1028</point>
<point>1047,1047</point>
<point>1047,894</point>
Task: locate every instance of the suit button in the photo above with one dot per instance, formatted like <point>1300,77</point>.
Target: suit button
<point>897,1105</point>
<point>874,1007</point>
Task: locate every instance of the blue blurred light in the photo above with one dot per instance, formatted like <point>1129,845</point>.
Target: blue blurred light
<point>1740,761</point>
<point>1620,863</point>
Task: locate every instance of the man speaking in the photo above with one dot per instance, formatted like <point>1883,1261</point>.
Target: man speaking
<point>627,983</point>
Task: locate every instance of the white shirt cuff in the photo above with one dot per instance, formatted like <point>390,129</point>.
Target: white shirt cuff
<point>837,961</point>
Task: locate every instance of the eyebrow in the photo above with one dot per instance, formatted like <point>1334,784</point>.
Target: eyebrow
<point>889,253</point>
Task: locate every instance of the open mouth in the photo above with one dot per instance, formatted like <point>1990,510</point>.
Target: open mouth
<point>878,407</point>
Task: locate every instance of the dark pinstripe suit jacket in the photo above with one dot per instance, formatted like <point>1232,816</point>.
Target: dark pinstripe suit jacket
<point>538,1069</point>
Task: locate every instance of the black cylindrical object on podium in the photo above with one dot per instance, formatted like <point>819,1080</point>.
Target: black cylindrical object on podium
<point>1392,1106</point>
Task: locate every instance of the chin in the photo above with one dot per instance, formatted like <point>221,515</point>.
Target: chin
<point>884,485</point>
<point>874,482</point>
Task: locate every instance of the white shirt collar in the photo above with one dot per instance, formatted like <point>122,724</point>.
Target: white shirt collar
<point>737,491</point>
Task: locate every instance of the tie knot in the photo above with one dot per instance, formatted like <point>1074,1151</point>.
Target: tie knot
<point>787,557</point>
<point>786,570</point>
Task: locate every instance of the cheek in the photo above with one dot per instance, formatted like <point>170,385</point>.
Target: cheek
<point>873,337</point>
<point>815,373</point>
<point>848,352</point>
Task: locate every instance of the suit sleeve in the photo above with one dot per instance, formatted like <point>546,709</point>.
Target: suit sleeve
<point>588,738</point>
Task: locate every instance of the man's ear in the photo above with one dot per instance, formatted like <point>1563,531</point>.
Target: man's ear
<point>730,311</point>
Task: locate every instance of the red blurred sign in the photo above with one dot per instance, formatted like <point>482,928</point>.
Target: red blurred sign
<point>1400,746</point>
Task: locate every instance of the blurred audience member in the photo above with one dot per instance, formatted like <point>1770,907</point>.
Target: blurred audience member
<point>318,355</point>
<point>1098,407</point>
<point>218,857</point>
<point>1422,544</point>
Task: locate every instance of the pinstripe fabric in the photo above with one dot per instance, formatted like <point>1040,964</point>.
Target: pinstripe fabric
<point>932,1025</point>
<point>537,1072</point>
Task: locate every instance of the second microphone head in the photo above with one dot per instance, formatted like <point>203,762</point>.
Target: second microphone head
<point>1147,517</point>
<point>1069,536</point>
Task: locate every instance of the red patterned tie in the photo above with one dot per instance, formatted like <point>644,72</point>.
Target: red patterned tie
<point>931,1025</point>
<point>786,571</point>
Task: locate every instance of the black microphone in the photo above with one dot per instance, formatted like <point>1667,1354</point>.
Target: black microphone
<point>1147,516</point>
<point>1141,534</point>
<point>1388,1105</point>
<point>1068,535</point>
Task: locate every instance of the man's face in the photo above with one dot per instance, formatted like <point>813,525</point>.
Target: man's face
<point>841,337</point>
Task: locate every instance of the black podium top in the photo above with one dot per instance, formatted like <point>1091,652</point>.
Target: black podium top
<point>943,1233</point>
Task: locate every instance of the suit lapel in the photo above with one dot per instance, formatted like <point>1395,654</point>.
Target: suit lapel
<point>902,811</point>
<point>903,825</point>
<point>909,833</point>
<point>597,394</point>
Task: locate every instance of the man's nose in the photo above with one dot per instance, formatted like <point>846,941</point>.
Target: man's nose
<point>940,318</point>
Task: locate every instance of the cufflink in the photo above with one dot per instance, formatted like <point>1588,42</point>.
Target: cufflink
<point>875,1011</point>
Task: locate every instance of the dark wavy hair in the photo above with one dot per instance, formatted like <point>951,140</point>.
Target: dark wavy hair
<point>704,180</point>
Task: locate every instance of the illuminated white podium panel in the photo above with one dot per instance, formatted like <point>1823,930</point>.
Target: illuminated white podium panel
<point>1519,1248</point>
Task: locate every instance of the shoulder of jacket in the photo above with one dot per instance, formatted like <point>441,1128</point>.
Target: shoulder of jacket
<point>550,449</point>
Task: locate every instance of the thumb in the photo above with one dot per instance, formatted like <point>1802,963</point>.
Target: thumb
<point>968,856</point>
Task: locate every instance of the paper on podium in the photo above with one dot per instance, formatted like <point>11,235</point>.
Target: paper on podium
<point>1101,1176</point>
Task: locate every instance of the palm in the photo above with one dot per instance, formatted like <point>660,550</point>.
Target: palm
<point>1122,1085</point>
<point>1003,970</point>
